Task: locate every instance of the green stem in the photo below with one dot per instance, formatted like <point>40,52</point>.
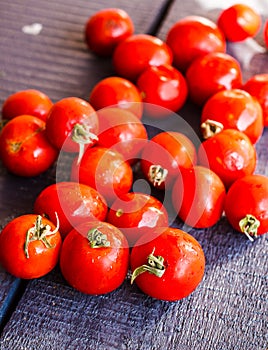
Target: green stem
<point>249,226</point>
<point>210,128</point>
<point>82,136</point>
<point>97,239</point>
<point>157,174</point>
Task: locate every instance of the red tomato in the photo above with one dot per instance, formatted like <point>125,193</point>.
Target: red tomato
<point>230,154</point>
<point>72,123</point>
<point>212,73</point>
<point>116,92</point>
<point>164,86</point>
<point>265,33</point>
<point>192,37</point>
<point>139,51</point>
<point>24,147</point>
<point>233,109</point>
<point>246,205</point>
<point>29,246</point>
<point>167,265</point>
<point>94,258</point>
<point>164,155</point>
<point>74,203</point>
<point>136,214</point>
<point>31,102</point>
<point>257,86</point>
<point>198,197</point>
<point>105,29</point>
<point>239,22</point>
<point>122,131</point>
<point>105,170</point>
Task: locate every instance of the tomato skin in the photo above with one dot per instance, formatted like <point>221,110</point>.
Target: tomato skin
<point>212,73</point>
<point>116,92</point>
<point>63,117</point>
<point>41,259</point>
<point>164,86</point>
<point>74,203</point>
<point>139,51</point>
<point>230,154</point>
<point>198,197</point>
<point>24,147</point>
<point>183,258</point>
<point>265,33</point>
<point>105,170</point>
<point>239,22</point>
<point>32,102</point>
<point>257,86</point>
<point>170,150</point>
<point>135,214</point>
<point>97,270</point>
<point>192,37</point>
<point>235,109</point>
<point>106,28</point>
<point>251,192</point>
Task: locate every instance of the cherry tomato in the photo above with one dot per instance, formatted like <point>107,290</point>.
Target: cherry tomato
<point>136,213</point>
<point>167,264</point>
<point>230,154</point>
<point>198,197</point>
<point>72,123</point>
<point>116,92</point>
<point>164,155</point>
<point>94,258</point>
<point>105,29</point>
<point>246,205</point>
<point>24,147</point>
<point>164,86</point>
<point>74,203</point>
<point>239,22</point>
<point>31,102</point>
<point>139,51</point>
<point>257,86</point>
<point>233,109</point>
<point>105,170</point>
<point>122,131</point>
<point>29,246</point>
<point>265,33</point>
<point>212,73</point>
<point>192,37</point>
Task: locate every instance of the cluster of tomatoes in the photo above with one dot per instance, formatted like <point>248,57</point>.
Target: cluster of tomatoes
<point>95,225</point>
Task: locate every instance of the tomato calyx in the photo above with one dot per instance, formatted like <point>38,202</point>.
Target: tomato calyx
<point>155,266</point>
<point>82,136</point>
<point>249,226</point>
<point>97,239</point>
<point>39,232</point>
<point>119,212</point>
<point>157,174</point>
<point>210,128</point>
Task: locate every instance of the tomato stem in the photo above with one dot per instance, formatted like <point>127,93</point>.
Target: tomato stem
<point>97,239</point>
<point>157,174</point>
<point>82,136</point>
<point>155,266</point>
<point>210,128</point>
<point>249,226</point>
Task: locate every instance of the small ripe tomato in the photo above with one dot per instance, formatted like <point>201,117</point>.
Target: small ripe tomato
<point>136,214</point>
<point>239,22</point>
<point>24,147</point>
<point>167,264</point>
<point>265,33</point>
<point>212,73</point>
<point>198,197</point>
<point>139,51</point>
<point>246,205</point>
<point>94,258</point>
<point>32,102</point>
<point>105,170</point>
<point>29,246</point>
<point>164,86</point>
<point>122,131</point>
<point>71,124</point>
<point>257,86</point>
<point>116,92</point>
<point>192,37</point>
<point>73,203</point>
<point>230,154</point>
<point>233,109</point>
<point>105,29</point>
<point>164,155</point>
